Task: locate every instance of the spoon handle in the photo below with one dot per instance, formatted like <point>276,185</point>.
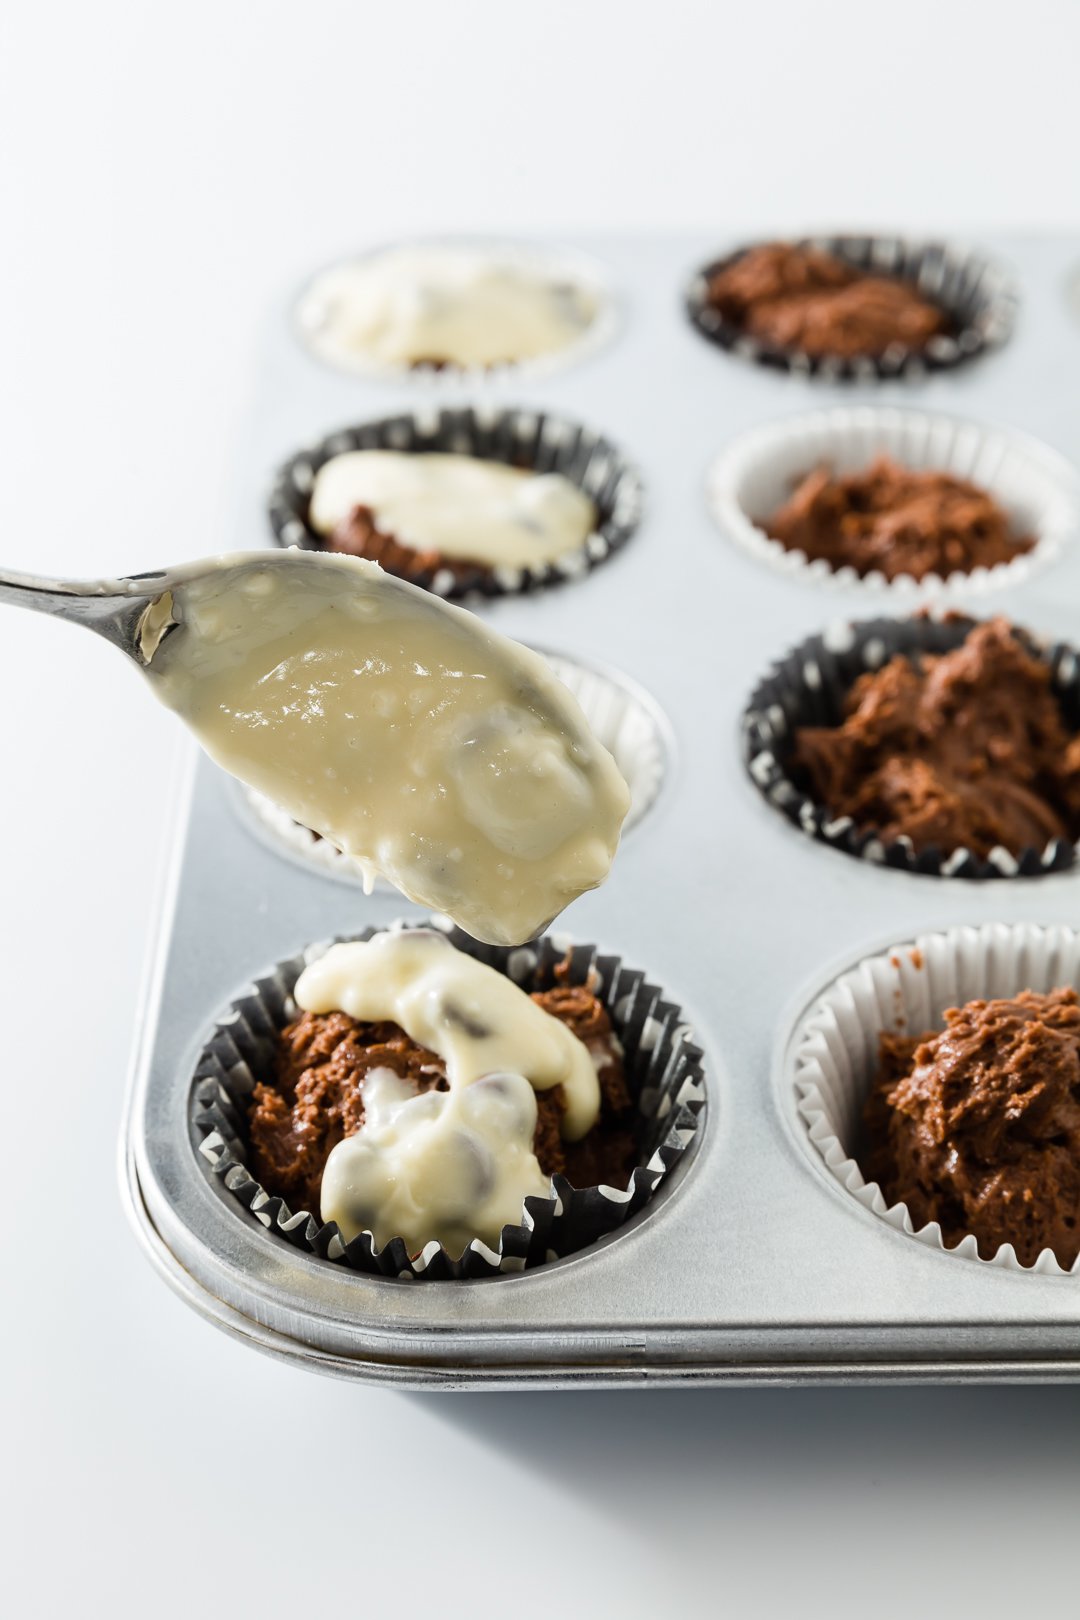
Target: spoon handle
<point>111,607</point>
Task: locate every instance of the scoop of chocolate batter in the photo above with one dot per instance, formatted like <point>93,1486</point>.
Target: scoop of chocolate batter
<point>890,520</point>
<point>978,1127</point>
<point>316,1097</point>
<point>798,298</point>
<point>965,749</point>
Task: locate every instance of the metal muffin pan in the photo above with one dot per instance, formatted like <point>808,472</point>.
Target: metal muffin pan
<point>754,1268</point>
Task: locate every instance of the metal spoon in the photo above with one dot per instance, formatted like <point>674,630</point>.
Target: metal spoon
<point>137,612</point>
<point>263,671</point>
<point>133,613</point>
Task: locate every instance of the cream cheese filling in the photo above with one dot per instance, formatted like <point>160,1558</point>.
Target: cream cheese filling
<point>446,1167</point>
<point>455,1165</point>
<point>465,507</point>
<point>473,1017</point>
<point>443,305</point>
<point>420,742</point>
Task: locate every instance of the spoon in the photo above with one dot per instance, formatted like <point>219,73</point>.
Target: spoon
<point>427,747</point>
<point>128,612</point>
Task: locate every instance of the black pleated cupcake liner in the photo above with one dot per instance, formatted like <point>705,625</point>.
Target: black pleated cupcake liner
<point>978,295</point>
<point>535,441</point>
<point>807,687</point>
<point>664,1075</point>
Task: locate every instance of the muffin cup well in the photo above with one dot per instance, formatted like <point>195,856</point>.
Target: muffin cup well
<point>576,271</point>
<point>535,441</point>
<point>807,688</point>
<point>663,1070</point>
<point>978,295</point>
<point>833,1058</point>
<point>755,474</point>
<point>619,714</point>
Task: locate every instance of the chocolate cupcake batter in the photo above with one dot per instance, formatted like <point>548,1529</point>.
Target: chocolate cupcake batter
<point>890,520</point>
<point>357,535</point>
<point>799,298</point>
<point>316,1097</point>
<point>965,749</point>
<point>978,1127</point>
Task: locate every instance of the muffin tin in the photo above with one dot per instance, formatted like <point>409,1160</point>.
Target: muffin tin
<point>755,1265</point>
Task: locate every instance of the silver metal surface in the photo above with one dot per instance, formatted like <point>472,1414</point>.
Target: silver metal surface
<point>114,608</point>
<point>756,1267</point>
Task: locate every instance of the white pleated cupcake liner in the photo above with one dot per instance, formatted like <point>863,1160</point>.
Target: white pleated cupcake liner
<point>535,441</point>
<point>807,687</point>
<point>561,266</point>
<point>619,714</point>
<point>980,297</point>
<point>757,473</point>
<point>664,1075</point>
<point>834,1056</point>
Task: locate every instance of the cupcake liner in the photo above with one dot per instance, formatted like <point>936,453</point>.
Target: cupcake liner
<point>755,474</point>
<point>978,295</point>
<point>664,1074</point>
<point>619,714</point>
<point>807,688</point>
<point>565,268</point>
<point>533,440</point>
<point>833,1058</point>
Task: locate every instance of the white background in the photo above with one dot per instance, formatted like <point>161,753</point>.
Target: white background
<point>167,171</point>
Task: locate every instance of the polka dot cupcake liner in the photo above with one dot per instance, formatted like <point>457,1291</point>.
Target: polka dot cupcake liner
<point>664,1073</point>
<point>978,295</point>
<point>808,686</point>
<point>534,441</point>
